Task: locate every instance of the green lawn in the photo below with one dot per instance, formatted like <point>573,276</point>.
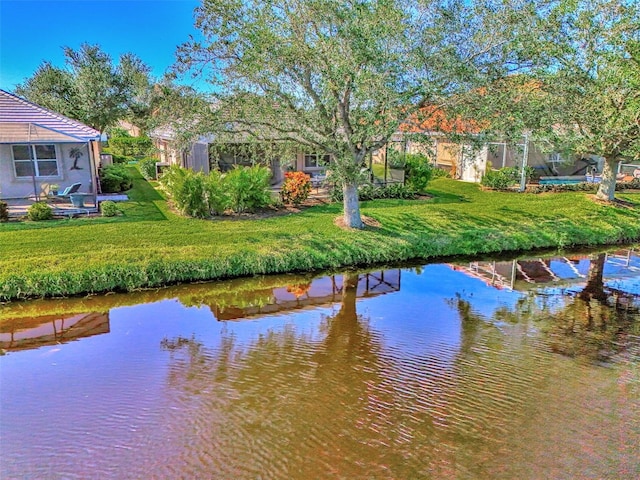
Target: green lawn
<point>150,246</point>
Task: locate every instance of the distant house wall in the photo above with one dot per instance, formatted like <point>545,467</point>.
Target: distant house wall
<point>14,185</point>
<point>165,151</point>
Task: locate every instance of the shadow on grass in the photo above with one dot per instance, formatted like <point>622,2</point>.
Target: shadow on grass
<point>441,196</point>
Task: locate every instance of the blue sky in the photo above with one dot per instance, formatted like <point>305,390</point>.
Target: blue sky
<point>32,31</point>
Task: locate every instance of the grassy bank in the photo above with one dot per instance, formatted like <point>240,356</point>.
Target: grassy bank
<point>149,246</point>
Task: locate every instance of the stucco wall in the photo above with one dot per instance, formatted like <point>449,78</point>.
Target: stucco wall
<point>12,187</point>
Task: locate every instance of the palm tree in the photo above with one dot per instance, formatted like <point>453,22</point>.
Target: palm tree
<point>75,153</point>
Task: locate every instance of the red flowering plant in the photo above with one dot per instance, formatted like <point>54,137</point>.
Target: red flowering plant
<point>296,187</point>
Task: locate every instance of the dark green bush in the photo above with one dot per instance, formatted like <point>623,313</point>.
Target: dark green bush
<point>115,178</point>
<point>148,168</point>
<point>419,171</point>
<point>580,187</point>
<point>398,190</point>
<point>109,208</point>
<point>248,188</point>
<point>216,194</point>
<point>4,212</point>
<point>199,195</point>
<point>368,191</point>
<point>563,187</point>
<point>501,179</point>
<point>40,211</point>
<point>439,173</point>
<point>130,146</point>
<point>631,185</point>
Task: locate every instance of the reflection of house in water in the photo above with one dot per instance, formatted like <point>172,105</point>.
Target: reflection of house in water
<point>27,333</point>
<point>522,274</point>
<point>317,292</point>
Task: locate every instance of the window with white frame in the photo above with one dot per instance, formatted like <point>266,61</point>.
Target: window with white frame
<point>35,160</point>
<point>316,160</point>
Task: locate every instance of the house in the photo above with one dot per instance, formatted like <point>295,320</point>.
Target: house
<point>168,152</point>
<point>226,156</point>
<point>206,154</point>
<point>42,151</point>
<point>469,161</point>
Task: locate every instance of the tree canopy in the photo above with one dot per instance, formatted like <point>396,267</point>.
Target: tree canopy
<point>340,77</point>
<point>582,94</point>
<point>90,88</point>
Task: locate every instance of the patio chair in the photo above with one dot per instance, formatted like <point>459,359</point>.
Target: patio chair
<point>69,190</point>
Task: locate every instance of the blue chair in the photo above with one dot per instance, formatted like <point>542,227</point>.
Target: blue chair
<point>70,189</point>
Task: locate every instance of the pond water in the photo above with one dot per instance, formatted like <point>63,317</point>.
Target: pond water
<point>525,368</point>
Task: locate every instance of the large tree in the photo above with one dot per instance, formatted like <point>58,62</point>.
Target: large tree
<point>582,95</point>
<point>339,76</point>
<point>90,88</point>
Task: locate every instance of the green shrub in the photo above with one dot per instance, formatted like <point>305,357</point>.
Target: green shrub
<point>398,190</point>
<point>580,187</point>
<point>368,191</point>
<point>501,179</point>
<point>115,178</point>
<point>630,185</point>
<point>190,191</point>
<point>4,212</point>
<point>418,171</point>
<point>148,168</point>
<point>187,190</point>
<point>198,195</point>
<point>216,195</point>
<point>248,188</point>
<point>109,208</point>
<point>129,146</point>
<point>40,211</point>
<point>296,187</point>
<point>439,173</point>
<point>562,187</point>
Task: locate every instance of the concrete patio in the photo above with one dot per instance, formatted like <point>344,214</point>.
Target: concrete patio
<point>62,207</point>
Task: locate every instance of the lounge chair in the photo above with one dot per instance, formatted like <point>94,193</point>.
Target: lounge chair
<point>69,190</point>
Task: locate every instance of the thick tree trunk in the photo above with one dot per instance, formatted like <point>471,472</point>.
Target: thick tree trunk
<point>351,205</point>
<point>594,289</point>
<point>607,188</point>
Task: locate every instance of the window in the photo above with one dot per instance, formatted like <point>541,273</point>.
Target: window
<point>35,160</point>
<point>315,160</point>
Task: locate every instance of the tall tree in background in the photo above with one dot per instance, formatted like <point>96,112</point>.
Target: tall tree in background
<point>90,88</point>
<point>594,81</point>
<point>338,76</point>
<point>583,94</point>
<point>53,88</point>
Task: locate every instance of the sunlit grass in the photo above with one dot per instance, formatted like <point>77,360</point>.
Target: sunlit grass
<point>149,245</point>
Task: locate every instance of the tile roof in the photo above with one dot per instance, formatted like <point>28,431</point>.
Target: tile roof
<point>21,121</point>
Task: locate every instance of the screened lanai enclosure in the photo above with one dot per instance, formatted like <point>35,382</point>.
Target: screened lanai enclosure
<point>46,157</point>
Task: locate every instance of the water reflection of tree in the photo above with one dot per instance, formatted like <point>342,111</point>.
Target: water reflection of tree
<point>594,322</point>
<point>292,405</point>
<point>591,323</point>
